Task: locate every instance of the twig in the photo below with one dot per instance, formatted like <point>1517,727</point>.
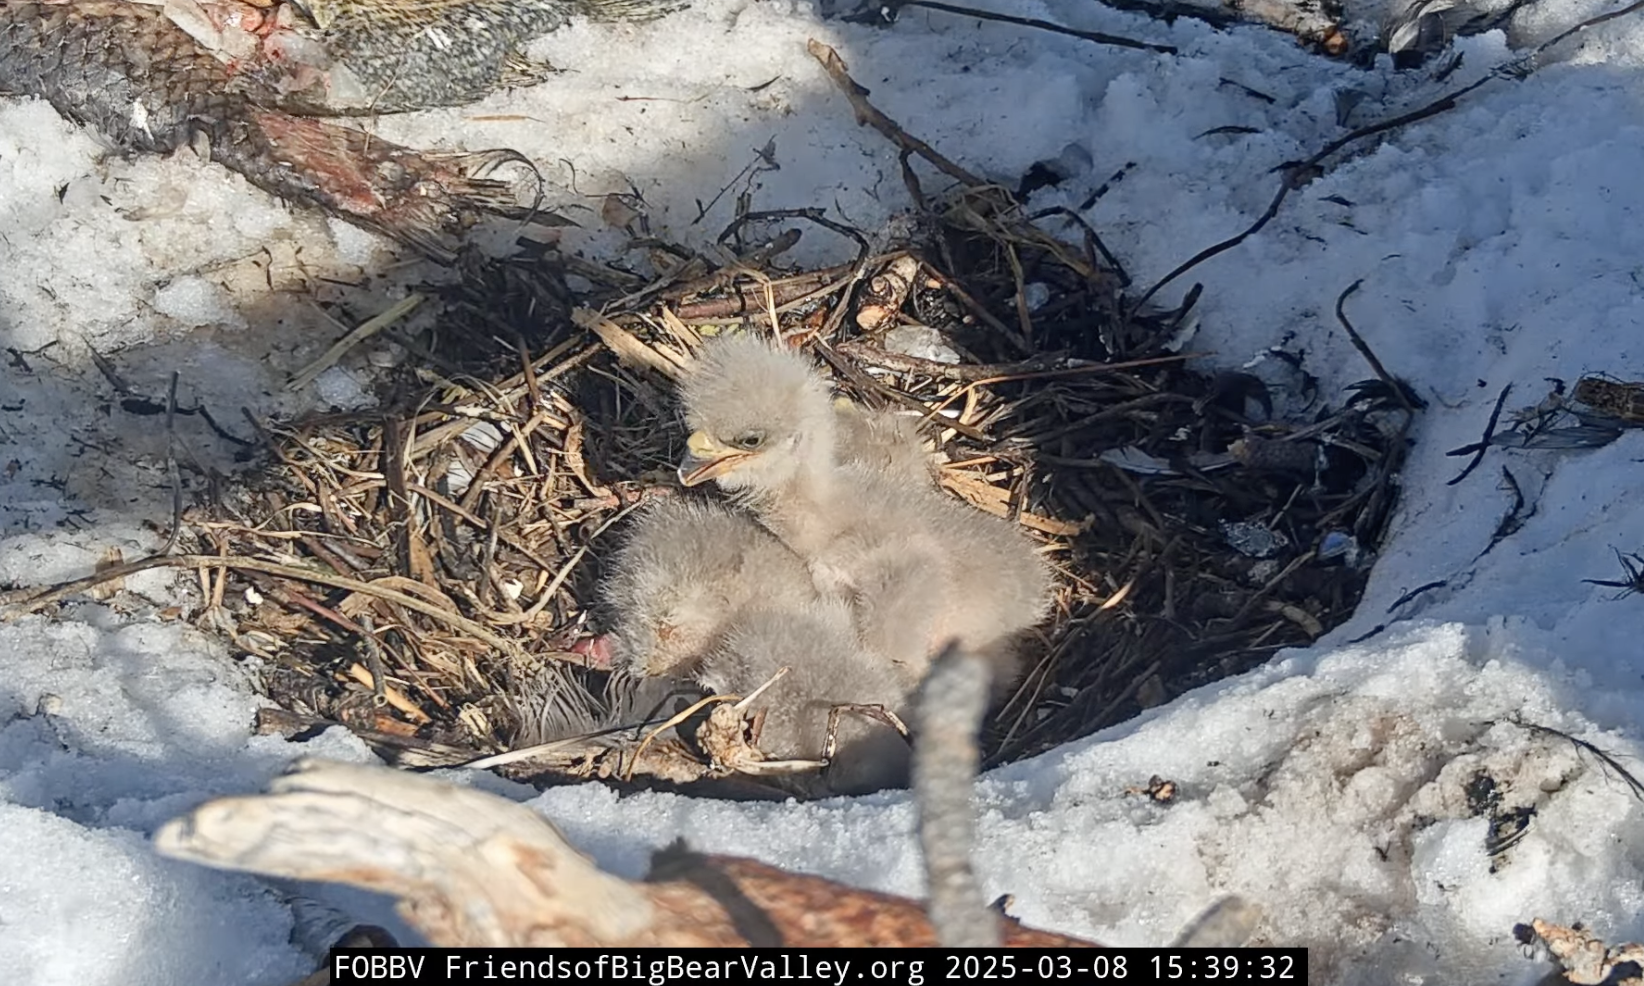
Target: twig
<point>739,301</point>
<point>785,288</point>
<point>1271,584</point>
<point>373,660</point>
<point>1037,368</point>
<point>173,474</point>
<point>984,15</point>
<point>354,337</point>
<point>671,722</point>
<point>867,114</point>
<point>473,869</point>
<point>518,438</point>
<point>623,343</point>
<point>815,215</point>
<point>749,170</point>
<point>1515,518</point>
<point>1092,239</point>
<point>1413,593</point>
<point>579,742</point>
<point>1484,444</point>
<point>979,310</point>
<point>1633,783</point>
<point>1399,388</point>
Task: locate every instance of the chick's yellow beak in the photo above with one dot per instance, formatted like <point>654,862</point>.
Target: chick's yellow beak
<point>705,459</point>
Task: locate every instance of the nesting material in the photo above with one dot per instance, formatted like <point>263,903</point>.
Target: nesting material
<point>425,572</point>
<point>829,702</point>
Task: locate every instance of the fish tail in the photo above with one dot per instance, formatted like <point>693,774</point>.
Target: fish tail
<point>424,200</point>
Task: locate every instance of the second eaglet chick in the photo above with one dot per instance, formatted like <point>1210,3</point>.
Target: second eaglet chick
<point>883,442</point>
<point>700,593</point>
<point>685,572</point>
<point>918,568</point>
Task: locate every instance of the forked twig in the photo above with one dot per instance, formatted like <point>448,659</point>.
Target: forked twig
<point>866,113</point>
<point>1483,444</point>
<point>671,722</point>
<point>830,744</point>
<point>1401,390</point>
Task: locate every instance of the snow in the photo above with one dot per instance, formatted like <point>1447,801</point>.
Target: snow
<point>1497,243</point>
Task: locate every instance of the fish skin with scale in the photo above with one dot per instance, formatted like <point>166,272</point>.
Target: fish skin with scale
<point>118,67</point>
<point>399,55</point>
<point>146,82</point>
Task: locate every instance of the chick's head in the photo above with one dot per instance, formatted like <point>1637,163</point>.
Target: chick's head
<point>759,415</point>
<point>666,633</point>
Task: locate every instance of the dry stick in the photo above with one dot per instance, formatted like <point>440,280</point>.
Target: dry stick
<point>811,213</point>
<point>532,386</point>
<point>672,721</point>
<point>786,288</point>
<point>516,439</point>
<point>984,15</point>
<point>172,472</point>
<point>714,311</point>
<point>1093,240</point>
<point>1023,315</point>
<point>1267,588</point>
<point>1633,783</point>
<point>737,303</point>
<point>20,605</point>
<point>867,114</point>
<point>1484,444</point>
<point>570,742</point>
<point>1297,174</point>
<point>864,256</point>
<point>564,572</point>
<point>353,338</point>
<point>374,662</point>
<point>978,309</point>
<point>1040,366</point>
<point>1393,383</point>
<point>456,508</point>
<point>1069,372</point>
<point>472,869</point>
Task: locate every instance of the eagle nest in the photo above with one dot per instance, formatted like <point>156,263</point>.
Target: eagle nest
<point>428,568</point>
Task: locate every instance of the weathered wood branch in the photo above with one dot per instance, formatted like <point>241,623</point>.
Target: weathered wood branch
<point>472,869</point>
<point>1586,959</point>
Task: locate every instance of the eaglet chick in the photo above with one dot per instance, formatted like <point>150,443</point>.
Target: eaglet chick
<point>918,568</point>
<point>702,593</point>
<point>883,442</point>
<point>685,572</point>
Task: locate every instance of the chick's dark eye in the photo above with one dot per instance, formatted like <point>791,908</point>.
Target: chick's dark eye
<point>751,440</point>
